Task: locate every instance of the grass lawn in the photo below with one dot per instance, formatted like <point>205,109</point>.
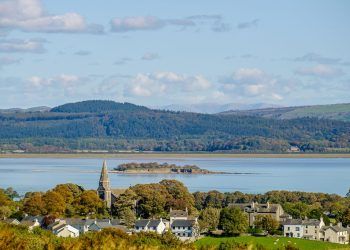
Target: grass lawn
<point>269,242</point>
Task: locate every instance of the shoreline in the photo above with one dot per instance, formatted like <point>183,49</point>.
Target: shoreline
<point>173,155</point>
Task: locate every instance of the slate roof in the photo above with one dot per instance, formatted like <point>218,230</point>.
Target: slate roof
<point>256,207</point>
<point>183,223</point>
<point>178,213</point>
<point>33,218</point>
<point>141,223</point>
<point>153,223</point>
<point>336,229</point>
<point>311,222</point>
<point>292,222</point>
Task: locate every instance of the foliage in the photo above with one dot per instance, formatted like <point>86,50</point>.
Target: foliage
<point>64,200</point>
<point>267,223</point>
<point>233,221</point>
<point>18,237</point>
<point>209,219</point>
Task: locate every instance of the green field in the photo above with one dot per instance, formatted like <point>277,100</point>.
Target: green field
<point>271,242</point>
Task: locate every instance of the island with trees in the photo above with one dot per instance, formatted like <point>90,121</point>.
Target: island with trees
<point>160,168</point>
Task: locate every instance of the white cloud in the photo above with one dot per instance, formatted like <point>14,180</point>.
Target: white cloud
<point>320,70</point>
<point>30,16</point>
<point>19,45</point>
<point>255,83</point>
<point>63,80</point>
<point>158,83</point>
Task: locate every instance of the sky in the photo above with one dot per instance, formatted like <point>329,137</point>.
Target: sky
<point>158,53</point>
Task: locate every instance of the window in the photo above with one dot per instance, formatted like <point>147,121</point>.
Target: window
<point>298,234</point>
<point>297,229</point>
<point>288,228</point>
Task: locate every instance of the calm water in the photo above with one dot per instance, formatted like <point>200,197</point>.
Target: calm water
<point>257,174</point>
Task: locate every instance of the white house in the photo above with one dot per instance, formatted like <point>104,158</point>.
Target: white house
<point>293,228</point>
<point>32,221</point>
<point>66,231</point>
<point>147,225</point>
<point>185,229</point>
<point>335,234</point>
<point>181,225</point>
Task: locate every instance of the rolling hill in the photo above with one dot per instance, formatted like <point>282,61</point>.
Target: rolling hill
<point>107,125</point>
<point>332,111</point>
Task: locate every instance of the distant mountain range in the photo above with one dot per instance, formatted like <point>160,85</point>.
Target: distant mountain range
<point>20,110</point>
<point>213,108</point>
<point>110,126</point>
<point>331,111</point>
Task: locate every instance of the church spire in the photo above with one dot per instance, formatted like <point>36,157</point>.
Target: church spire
<point>104,173</point>
<point>104,188</point>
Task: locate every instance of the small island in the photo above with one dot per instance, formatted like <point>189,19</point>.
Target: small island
<point>160,168</point>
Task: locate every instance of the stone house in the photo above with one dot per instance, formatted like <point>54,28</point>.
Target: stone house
<point>254,209</point>
<point>335,234</point>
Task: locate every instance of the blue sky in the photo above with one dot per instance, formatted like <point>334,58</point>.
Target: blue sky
<point>165,52</point>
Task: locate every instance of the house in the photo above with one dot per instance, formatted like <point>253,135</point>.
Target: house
<point>32,221</point>
<point>253,209</point>
<point>307,229</point>
<point>65,230</point>
<point>95,225</point>
<point>293,228</point>
<point>185,229</point>
<point>178,215</point>
<point>148,225</point>
<point>182,225</point>
<point>335,234</point>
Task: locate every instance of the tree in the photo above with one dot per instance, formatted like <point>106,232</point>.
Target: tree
<point>346,217</point>
<point>214,199</point>
<point>68,191</point>
<point>152,200</point>
<point>128,216</point>
<point>89,203</point>
<point>5,212</point>
<point>348,194</point>
<point>54,203</point>
<point>5,200</point>
<point>34,204</point>
<point>233,221</point>
<point>209,219</point>
<point>126,200</point>
<point>180,198</point>
<point>267,223</point>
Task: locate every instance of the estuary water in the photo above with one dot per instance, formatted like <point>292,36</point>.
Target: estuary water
<point>250,175</point>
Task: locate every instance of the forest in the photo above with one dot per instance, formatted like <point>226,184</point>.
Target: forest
<point>111,126</point>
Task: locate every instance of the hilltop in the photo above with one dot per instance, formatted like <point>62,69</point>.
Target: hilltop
<point>111,126</point>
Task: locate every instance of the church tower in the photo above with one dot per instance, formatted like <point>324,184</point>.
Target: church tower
<point>104,188</point>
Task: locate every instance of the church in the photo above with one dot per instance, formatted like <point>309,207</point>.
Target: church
<point>104,190</point>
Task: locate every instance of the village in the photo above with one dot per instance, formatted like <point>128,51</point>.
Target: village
<point>184,226</point>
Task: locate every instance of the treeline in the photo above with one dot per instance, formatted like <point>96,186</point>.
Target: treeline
<point>106,125</point>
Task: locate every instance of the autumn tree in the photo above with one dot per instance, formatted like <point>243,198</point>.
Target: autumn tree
<point>233,221</point>
<point>209,219</point>
<point>267,223</point>
<point>54,203</point>
<point>180,198</point>
<point>152,200</point>
<point>33,204</point>
<point>88,203</point>
<point>128,217</point>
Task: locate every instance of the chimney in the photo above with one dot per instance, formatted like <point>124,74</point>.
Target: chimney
<point>268,204</point>
<point>186,210</point>
<point>171,209</point>
<point>339,224</point>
